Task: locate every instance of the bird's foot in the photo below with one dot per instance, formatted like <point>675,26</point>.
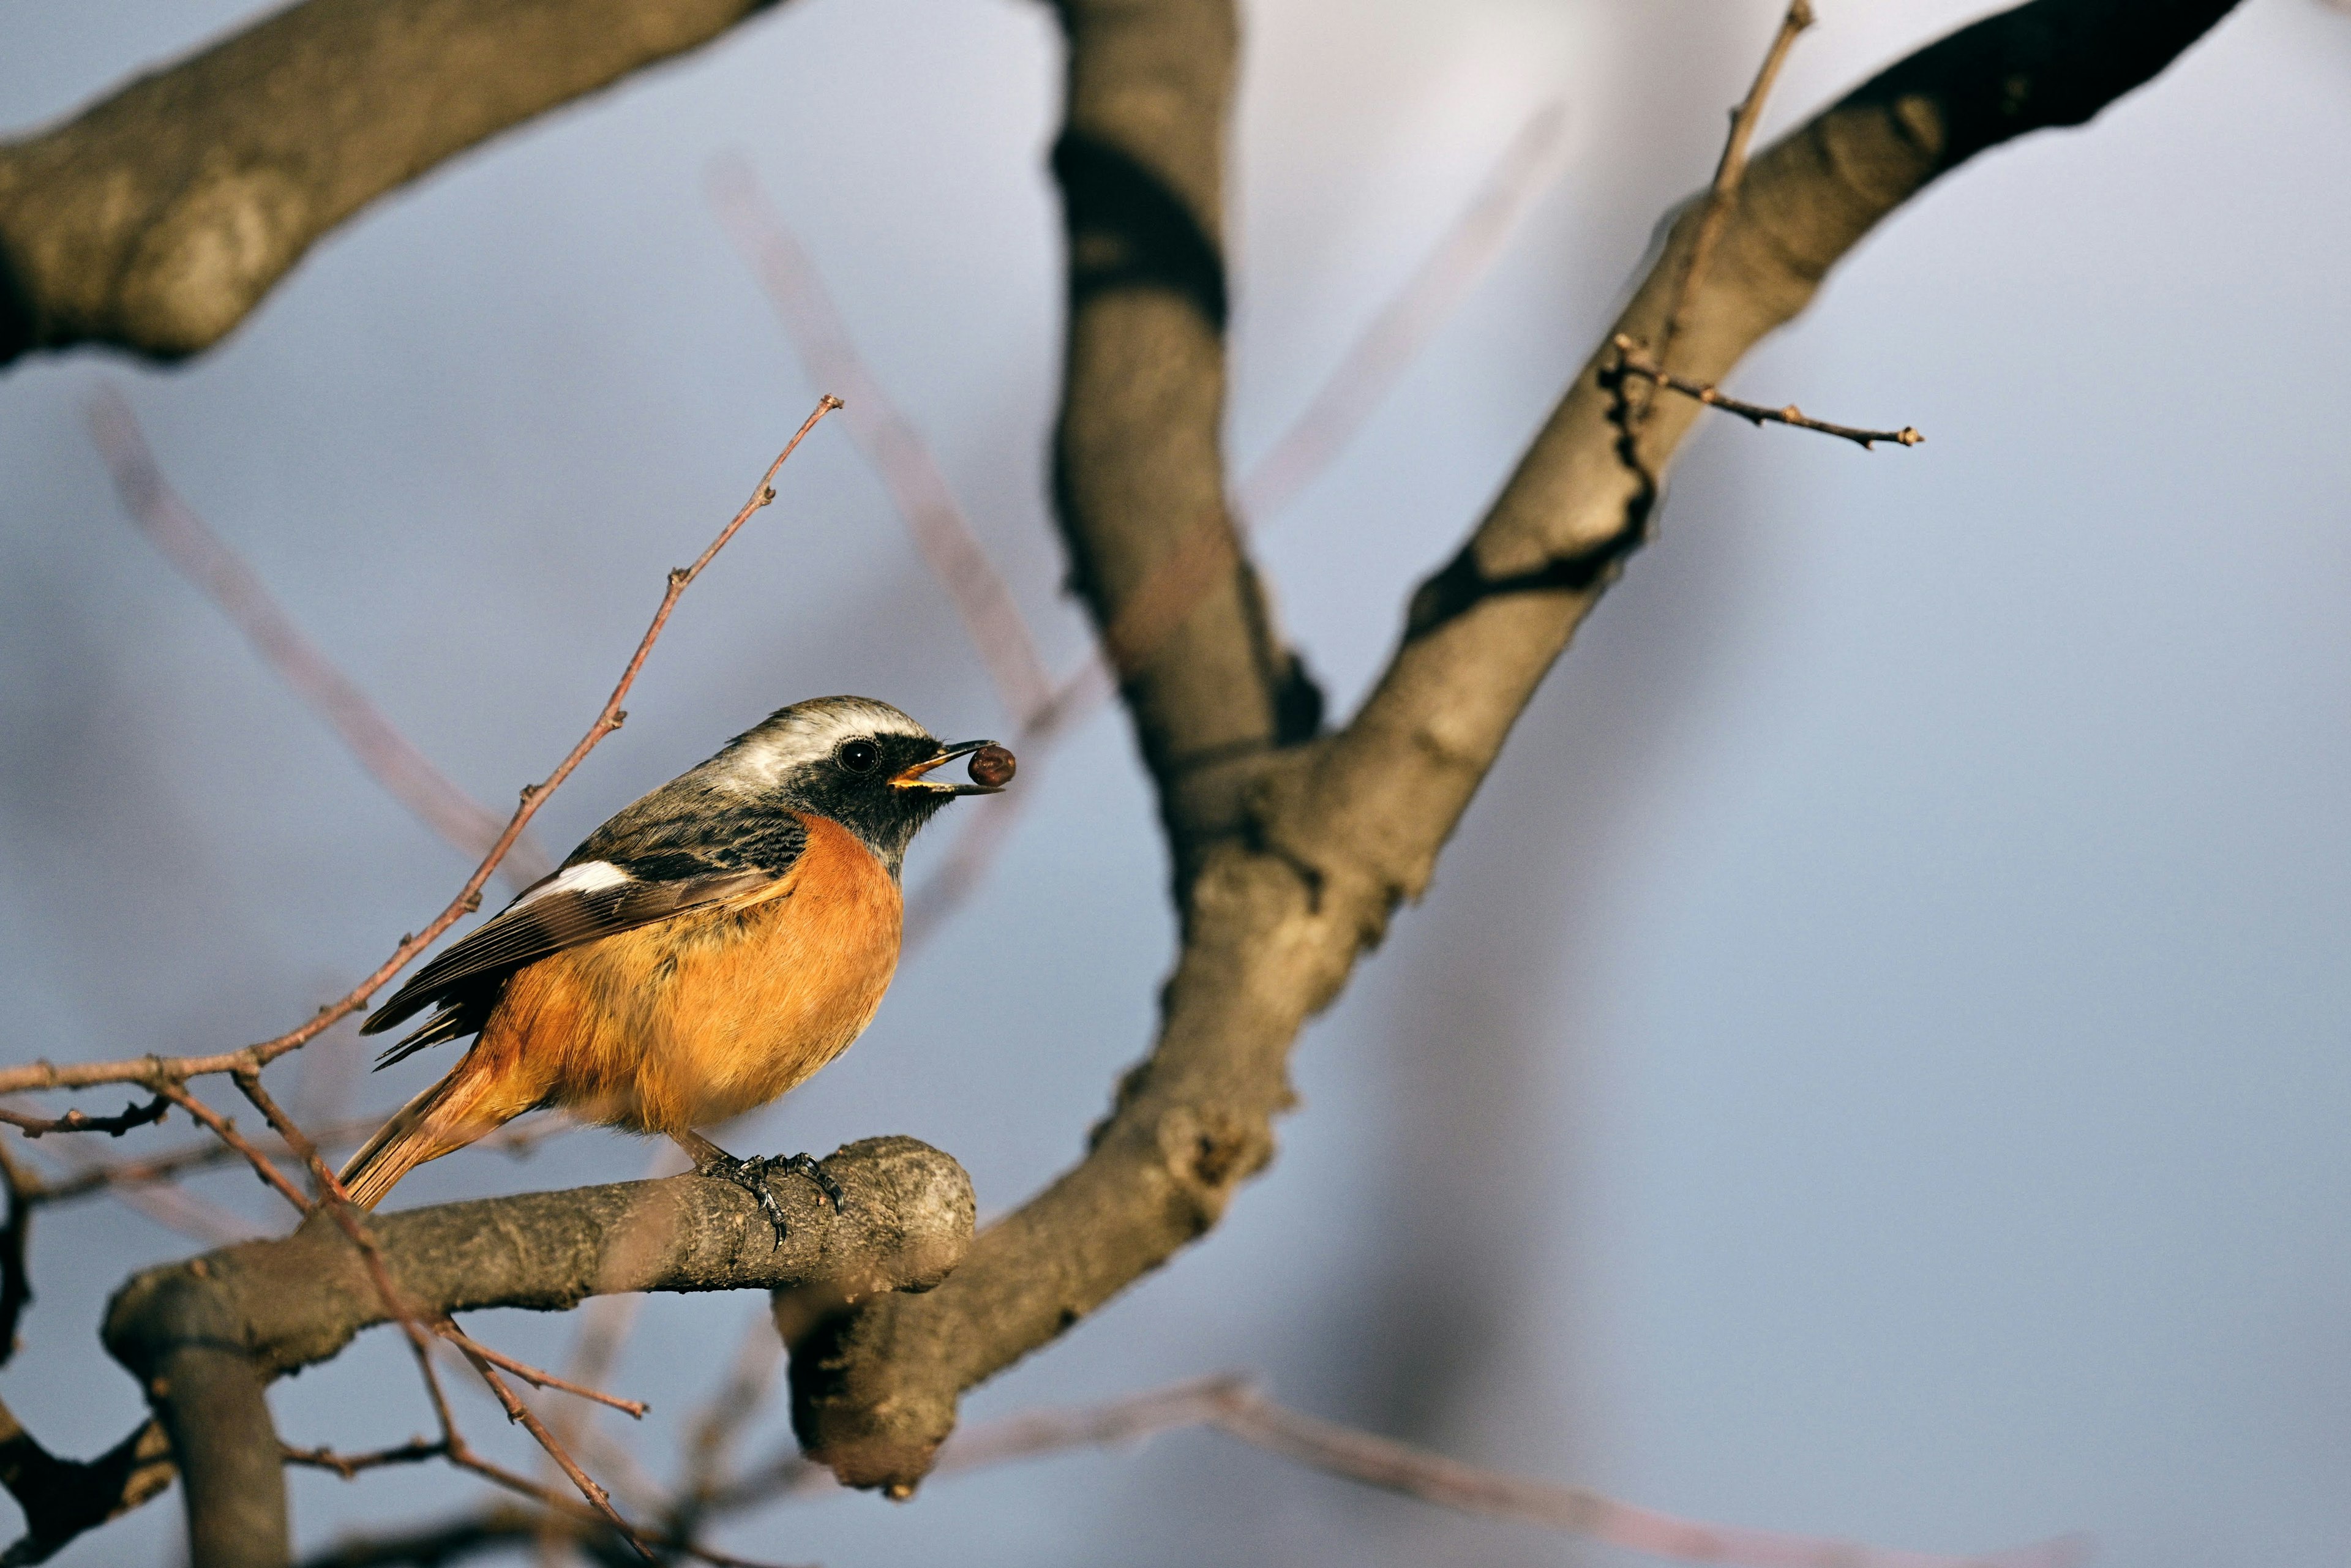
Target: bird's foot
<point>752,1176</point>
<point>807,1165</point>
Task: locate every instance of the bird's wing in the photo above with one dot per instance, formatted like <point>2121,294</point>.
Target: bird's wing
<point>642,877</point>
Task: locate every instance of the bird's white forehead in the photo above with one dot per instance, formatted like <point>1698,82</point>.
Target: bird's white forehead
<point>808,732</point>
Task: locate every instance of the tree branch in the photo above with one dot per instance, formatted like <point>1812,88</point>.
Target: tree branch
<point>1138,470</point>
<point>1280,899</point>
<point>1232,1405</point>
<point>64,1498</point>
<point>156,219</point>
<point>204,1336</point>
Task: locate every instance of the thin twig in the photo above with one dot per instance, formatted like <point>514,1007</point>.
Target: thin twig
<point>536,1377</point>
<point>348,1465</point>
<point>1729,171</point>
<point>516,1411</point>
<point>100,1176</point>
<point>131,1115</point>
<point>147,1070</point>
<point>205,560</point>
<point>1637,363</point>
<point>225,1131</point>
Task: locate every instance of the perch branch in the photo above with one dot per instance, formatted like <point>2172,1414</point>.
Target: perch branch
<point>201,1334</point>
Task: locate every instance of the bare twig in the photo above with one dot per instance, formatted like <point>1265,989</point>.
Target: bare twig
<point>114,1127</point>
<point>348,1465</point>
<point>148,1069</point>
<point>205,560</point>
<point>535,1376</point>
<point>225,1131</point>
<point>100,1176</point>
<point>1729,171</point>
<point>1634,362</point>
<point>516,1411</point>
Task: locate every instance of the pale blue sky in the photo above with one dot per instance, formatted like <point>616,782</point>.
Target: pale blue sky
<point>1872,1062</point>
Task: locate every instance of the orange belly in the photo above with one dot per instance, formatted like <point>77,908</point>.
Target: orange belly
<point>701,1018</point>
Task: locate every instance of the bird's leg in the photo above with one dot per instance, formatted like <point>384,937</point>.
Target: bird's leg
<point>752,1174</point>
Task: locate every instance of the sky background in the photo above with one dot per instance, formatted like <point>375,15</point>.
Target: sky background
<point>1872,1062</point>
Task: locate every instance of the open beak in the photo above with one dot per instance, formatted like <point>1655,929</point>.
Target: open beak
<point>915,778</point>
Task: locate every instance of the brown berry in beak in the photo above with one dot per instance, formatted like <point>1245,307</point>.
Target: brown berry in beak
<point>992,767</point>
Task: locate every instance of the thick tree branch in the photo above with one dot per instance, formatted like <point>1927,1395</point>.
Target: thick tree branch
<point>157,218</point>
<point>204,1337</point>
<point>1336,835</point>
<point>1138,467</point>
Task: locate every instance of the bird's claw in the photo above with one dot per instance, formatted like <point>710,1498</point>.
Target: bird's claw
<point>806,1166</point>
<point>751,1175</point>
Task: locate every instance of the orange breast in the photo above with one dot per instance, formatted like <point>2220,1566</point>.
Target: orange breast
<point>712,1014</point>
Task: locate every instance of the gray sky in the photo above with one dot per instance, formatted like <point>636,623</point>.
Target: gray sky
<point>1873,1060</point>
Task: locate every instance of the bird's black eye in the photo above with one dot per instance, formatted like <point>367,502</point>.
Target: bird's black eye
<point>858,756</point>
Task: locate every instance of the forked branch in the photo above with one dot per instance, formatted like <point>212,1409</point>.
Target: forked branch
<point>1291,860</point>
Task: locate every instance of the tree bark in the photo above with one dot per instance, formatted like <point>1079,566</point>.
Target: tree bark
<point>156,219</point>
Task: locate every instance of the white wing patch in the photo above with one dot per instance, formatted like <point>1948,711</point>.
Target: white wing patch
<point>592,876</point>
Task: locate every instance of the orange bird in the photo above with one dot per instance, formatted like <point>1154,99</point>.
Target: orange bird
<point>698,956</point>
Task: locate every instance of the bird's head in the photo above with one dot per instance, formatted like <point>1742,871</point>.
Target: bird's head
<point>863,764</point>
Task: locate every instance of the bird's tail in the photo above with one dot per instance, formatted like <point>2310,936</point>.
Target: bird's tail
<point>441,1120</point>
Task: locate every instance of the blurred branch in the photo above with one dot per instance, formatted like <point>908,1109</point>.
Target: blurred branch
<point>64,1498</point>
<point>991,616</point>
<point>155,219</point>
<point>205,559</point>
<point>1230,1404</point>
<point>1291,861</point>
<point>1396,337</point>
<point>131,1115</point>
<point>155,1072</point>
<point>1632,361</point>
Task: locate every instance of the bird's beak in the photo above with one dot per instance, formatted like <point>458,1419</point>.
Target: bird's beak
<point>914,778</point>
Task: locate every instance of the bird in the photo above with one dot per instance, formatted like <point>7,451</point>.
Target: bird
<point>701,953</point>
